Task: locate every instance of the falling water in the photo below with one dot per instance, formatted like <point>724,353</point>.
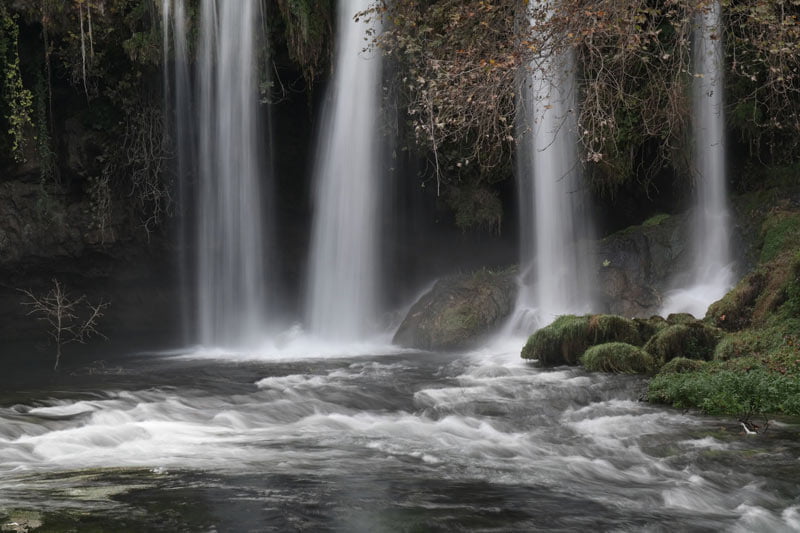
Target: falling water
<point>554,211</point>
<point>343,278</point>
<point>178,105</point>
<point>230,240</point>
<point>711,274</point>
<point>230,247</point>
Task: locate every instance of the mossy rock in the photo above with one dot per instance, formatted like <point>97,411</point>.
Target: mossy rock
<point>618,358</point>
<point>459,311</point>
<point>772,288</point>
<point>693,341</point>
<point>564,341</point>
<point>748,343</point>
<point>681,365</point>
<point>648,327</point>
<point>560,343</point>
<point>735,310</point>
<point>680,318</point>
<point>614,328</point>
<point>780,232</point>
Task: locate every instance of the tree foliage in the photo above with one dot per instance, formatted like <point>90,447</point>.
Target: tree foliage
<point>461,63</point>
<point>307,27</point>
<point>16,102</point>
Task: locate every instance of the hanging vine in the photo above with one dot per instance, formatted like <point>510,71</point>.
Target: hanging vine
<point>17,101</point>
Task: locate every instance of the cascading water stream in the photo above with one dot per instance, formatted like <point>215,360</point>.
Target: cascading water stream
<point>343,278</point>
<point>711,273</point>
<point>554,210</point>
<point>225,156</point>
<point>178,105</point>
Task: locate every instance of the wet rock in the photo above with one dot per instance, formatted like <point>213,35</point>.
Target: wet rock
<point>459,311</point>
<point>638,264</point>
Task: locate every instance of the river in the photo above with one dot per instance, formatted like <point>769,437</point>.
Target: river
<point>377,440</point>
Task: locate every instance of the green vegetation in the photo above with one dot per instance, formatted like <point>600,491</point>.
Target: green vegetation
<point>619,358</point>
<point>16,102</point>
<point>694,341</point>
<point>781,232</point>
<point>742,390</point>
<point>307,28</point>
<point>742,360</point>
<point>679,365</point>
<point>655,220</point>
<point>756,366</point>
<point>564,341</point>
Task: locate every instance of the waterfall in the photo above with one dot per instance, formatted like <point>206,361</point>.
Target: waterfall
<point>711,272</point>
<point>225,156</point>
<point>181,124</point>
<point>343,277</point>
<point>554,208</point>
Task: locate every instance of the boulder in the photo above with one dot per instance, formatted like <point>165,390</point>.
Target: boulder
<point>618,358</point>
<point>564,341</point>
<point>638,264</point>
<point>692,341</point>
<point>459,311</point>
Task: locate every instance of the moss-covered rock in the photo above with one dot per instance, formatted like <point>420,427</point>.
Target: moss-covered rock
<point>755,299</point>
<point>748,343</point>
<point>680,318</point>
<point>650,326</point>
<point>619,358</point>
<point>458,311</point>
<point>756,366</point>
<point>735,310</point>
<point>780,232</point>
<point>560,343</point>
<point>693,341</point>
<point>681,365</point>
<point>564,341</point>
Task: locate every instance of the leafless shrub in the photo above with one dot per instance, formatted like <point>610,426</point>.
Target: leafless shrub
<point>68,319</point>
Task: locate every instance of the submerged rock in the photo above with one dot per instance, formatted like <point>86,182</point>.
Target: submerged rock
<point>459,311</point>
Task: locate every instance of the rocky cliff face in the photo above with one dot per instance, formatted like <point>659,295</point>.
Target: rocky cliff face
<point>47,233</point>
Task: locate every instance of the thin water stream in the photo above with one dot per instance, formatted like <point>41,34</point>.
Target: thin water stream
<point>397,442</point>
<point>555,215</point>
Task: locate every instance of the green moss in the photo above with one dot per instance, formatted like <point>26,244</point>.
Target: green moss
<point>655,220</point>
<point>735,310</point>
<point>565,340</point>
<point>562,342</point>
<point>648,327</point>
<point>613,328</point>
<point>693,341</point>
<point>748,343</point>
<point>781,232</point>
<point>458,319</point>
<point>617,357</point>
<point>681,365</point>
<point>680,318</point>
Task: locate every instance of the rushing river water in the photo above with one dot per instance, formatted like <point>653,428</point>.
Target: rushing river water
<point>396,442</point>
